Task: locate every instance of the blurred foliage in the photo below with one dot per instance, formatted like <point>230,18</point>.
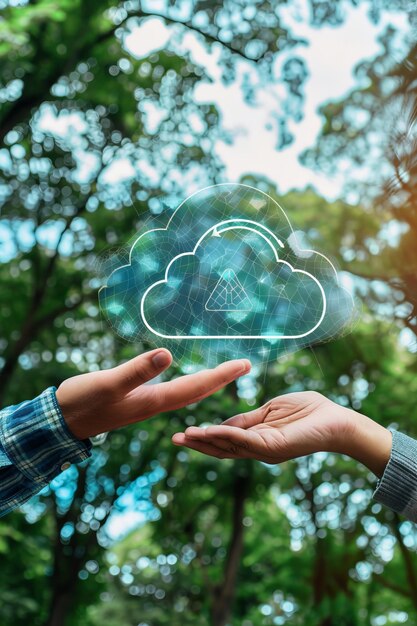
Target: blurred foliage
<point>144,533</point>
<point>372,134</point>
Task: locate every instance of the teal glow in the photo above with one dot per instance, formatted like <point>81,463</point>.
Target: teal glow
<point>226,277</point>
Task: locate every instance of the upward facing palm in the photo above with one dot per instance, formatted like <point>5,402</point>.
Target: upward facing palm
<point>286,427</point>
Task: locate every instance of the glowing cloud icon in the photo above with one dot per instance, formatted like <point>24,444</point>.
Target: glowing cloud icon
<point>229,275</point>
<point>225,276</point>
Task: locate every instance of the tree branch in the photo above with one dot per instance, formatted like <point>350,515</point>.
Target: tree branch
<point>27,335</point>
<point>393,587</point>
<point>20,111</point>
<point>187,24</point>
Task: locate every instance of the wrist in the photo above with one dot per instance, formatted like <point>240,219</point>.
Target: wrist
<point>72,413</point>
<point>367,441</point>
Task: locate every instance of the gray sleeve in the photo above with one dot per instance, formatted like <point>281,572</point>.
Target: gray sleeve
<point>397,489</point>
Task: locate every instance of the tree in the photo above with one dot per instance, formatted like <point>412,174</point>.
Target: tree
<point>374,128</point>
<point>75,102</point>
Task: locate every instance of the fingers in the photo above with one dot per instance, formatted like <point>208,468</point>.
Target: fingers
<point>224,445</point>
<point>179,439</point>
<point>139,370</point>
<point>235,440</point>
<point>194,387</point>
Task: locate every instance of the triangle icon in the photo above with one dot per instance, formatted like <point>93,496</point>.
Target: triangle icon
<point>228,294</point>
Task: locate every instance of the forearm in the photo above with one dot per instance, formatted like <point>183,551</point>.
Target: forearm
<point>367,442</point>
<point>35,446</point>
<point>392,457</point>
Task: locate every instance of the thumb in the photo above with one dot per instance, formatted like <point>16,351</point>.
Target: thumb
<point>249,419</point>
<point>139,370</point>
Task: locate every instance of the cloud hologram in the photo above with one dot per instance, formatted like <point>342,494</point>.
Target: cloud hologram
<point>304,311</point>
<point>226,278</point>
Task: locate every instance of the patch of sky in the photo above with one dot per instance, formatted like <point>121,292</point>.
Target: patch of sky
<point>134,506</point>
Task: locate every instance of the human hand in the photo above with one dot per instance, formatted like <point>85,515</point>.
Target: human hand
<point>291,426</point>
<point>102,401</point>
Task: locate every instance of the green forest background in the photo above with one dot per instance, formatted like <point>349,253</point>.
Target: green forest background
<point>216,543</point>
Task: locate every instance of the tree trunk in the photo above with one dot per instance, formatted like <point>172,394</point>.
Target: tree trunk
<point>64,580</point>
<point>320,579</point>
<point>60,606</point>
<point>67,559</point>
<point>223,594</point>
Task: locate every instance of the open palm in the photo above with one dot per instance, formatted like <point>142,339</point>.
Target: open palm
<point>284,428</point>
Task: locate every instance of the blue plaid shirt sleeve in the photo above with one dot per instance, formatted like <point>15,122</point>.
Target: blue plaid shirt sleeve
<point>35,445</point>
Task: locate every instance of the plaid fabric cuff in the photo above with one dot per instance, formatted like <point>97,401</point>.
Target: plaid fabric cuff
<point>397,489</point>
<point>37,440</point>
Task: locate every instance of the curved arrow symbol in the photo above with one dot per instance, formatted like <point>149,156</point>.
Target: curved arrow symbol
<point>216,230</point>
